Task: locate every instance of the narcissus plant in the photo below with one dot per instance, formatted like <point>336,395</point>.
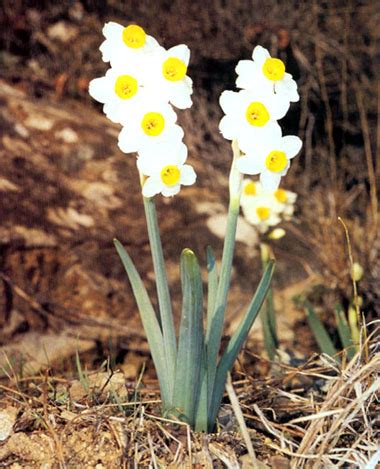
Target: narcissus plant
<point>138,91</point>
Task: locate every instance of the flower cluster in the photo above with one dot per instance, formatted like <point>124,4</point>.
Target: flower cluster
<point>138,91</point>
<point>251,116</point>
<point>263,208</point>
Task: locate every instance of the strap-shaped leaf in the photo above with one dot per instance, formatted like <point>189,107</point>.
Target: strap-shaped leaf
<point>149,320</point>
<point>190,342</point>
<point>201,411</point>
<point>319,331</point>
<point>212,283</point>
<point>237,340</point>
<point>268,318</point>
<point>344,331</point>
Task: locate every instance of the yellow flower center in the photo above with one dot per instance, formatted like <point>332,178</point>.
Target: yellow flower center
<point>250,188</point>
<point>126,86</point>
<point>257,114</point>
<point>153,124</point>
<point>274,69</point>
<point>170,175</point>
<point>276,161</point>
<point>174,69</point>
<point>134,36</point>
<point>262,213</point>
<point>281,196</point>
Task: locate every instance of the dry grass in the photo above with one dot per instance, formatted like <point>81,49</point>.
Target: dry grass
<point>319,414</point>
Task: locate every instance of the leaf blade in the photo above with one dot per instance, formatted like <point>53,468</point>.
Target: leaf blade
<point>190,341</point>
<point>149,320</point>
<point>237,340</point>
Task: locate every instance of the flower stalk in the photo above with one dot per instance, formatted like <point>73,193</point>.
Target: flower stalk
<point>163,294</point>
<point>215,319</point>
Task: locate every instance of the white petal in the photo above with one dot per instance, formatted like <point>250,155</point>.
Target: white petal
<point>248,73</point>
<point>181,154</point>
<point>148,163</point>
<point>188,175</point>
<point>112,30</point>
<point>174,133</point>
<point>180,93</point>
<point>112,112</point>
<point>259,54</point>
<point>106,50</point>
<point>258,138</point>
<point>229,127</point>
<point>99,89</point>
<point>170,191</point>
<point>229,101</point>
<point>127,141</point>
<point>289,89</point>
<point>291,145</point>
<point>278,106</point>
<point>270,181</point>
<point>152,186</point>
<point>248,165</point>
<point>152,43</point>
<point>245,67</point>
<point>181,51</point>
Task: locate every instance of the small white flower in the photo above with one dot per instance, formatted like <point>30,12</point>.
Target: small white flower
<point>123,44</point>
<point>250,189</point>
<point>166,72</point>
<point>268,73</point>
<point>287,199</point>
<point>153,123</point>
<point>270,159</point>
<point>251,115</point>
<point>165,168</point>
<point>120,90</point>
<point>263,211</point>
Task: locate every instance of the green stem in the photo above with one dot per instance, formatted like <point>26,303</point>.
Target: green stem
<point>166,314</point>
<point>215,321</point>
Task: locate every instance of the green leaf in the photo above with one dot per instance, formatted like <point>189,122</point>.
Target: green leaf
<point>150,322</point>
<point>268,318</point>
<point>212,282</point>
<point>344,331</point>
<point>237,340</point>
<point>190,342</point>
<point>201,411</point>
<point>319,331</point>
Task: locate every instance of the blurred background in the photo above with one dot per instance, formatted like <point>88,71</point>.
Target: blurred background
<point>66,189</point>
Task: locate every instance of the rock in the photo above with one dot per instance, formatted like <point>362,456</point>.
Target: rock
<point>103,383</point>
<point>7,420</point>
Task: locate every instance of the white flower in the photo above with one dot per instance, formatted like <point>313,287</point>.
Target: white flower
<point>165,168</point>
<point>250,189</point>
<point>270,159</point>
<point>287,199</point>
<point>263,211</point>
<point>152,123</point>
<point>166,72</point>
<point>267,73</point>
<point>251,115</point>
<point>123,44</point>
<point>120,90</point>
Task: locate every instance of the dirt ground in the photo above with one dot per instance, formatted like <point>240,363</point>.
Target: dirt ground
<point>77,386</point>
